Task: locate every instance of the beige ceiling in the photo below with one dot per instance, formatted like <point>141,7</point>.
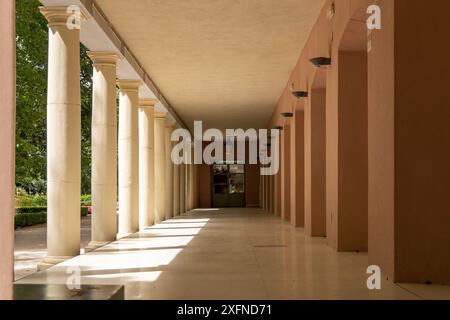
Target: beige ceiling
<point>225,62</point>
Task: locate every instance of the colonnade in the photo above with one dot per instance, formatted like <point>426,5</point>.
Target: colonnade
<point>140,179</point>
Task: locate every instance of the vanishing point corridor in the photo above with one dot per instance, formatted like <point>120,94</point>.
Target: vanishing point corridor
<point>224,150</point>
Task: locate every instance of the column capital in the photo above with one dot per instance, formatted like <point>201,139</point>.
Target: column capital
<point>147,102</point>
<point>170,123</point>
<point>160,115</point>
<point>104,58</point>
<point>59,15</point>
<point>129,85</point>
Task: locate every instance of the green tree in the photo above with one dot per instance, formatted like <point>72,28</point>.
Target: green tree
<point>32,44</point>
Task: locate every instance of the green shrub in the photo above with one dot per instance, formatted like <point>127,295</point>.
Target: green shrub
<point>29,219</point>
<point>30,209</point>
<point>84,211</point>
<point>30,216</point>
<point>86,200</point>
<point>41,201</point>
<point>32,201</point>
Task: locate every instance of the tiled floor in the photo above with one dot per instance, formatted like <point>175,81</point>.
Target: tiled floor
<point>230,254</point>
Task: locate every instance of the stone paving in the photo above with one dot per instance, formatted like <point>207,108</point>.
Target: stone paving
<point>31,246</point>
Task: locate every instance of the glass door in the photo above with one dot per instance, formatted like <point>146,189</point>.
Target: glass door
<point>228,185</point>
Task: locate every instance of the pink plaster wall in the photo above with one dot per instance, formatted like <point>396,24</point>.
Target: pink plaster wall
<point>7,147</point>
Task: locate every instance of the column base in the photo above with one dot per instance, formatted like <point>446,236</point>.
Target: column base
<point>51,261</point>
<point>123,235</point>
<point>95,245</point>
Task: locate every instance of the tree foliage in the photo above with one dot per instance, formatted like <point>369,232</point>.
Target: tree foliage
<point>32,55</point>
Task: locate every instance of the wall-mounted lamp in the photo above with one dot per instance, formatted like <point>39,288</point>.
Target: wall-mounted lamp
<point>321,61</point>
<point>300,94</point>
<point>287,114</point>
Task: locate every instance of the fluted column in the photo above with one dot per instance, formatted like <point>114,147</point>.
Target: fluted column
<point>128,157</point>
<point>169,168</point>
<point>104,149</point>
<point>182,188</point>
<point>63,138</point>
<point>160,182</point>
<point>146,162</point>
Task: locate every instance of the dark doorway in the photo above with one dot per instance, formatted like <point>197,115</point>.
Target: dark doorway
<point>228,185</point>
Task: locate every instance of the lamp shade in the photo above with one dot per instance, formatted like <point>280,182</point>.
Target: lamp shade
<point>321,61</point>
<point>287,114</point>
<point>300,94</point>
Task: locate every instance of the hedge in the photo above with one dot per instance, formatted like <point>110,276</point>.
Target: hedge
<point>31,216</point>
<point>31,209</point>
<point>41,201</point>
<point>29,219</point>
<point>84,211</point>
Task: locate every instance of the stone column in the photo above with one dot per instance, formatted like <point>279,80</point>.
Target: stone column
<point>7,159</point>
<point>186,189</point>
<point>104,149</point>
<point>182,188</point>
<point>192,182</point>
<point>160,181</point>
<point>146,162</point>
<point>192,187</point>
<point>195,192</point>
<point>176,189</point>
<point>169,169</point>
<point>63,139</point>
<point>128,157</point>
